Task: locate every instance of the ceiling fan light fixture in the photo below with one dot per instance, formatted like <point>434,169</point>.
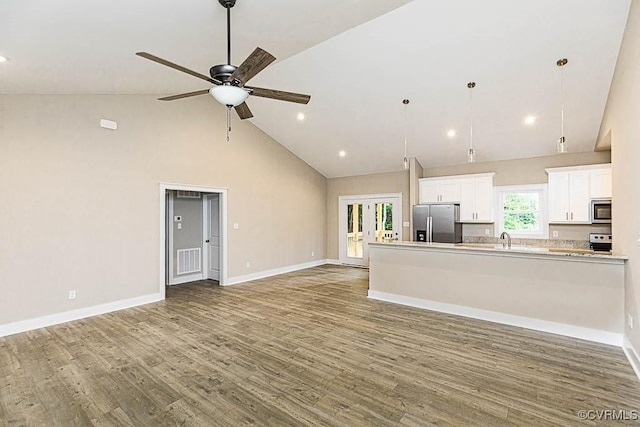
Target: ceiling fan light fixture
<point>229,95</point>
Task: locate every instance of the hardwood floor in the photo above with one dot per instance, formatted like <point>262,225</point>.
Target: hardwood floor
<point>305,348</point>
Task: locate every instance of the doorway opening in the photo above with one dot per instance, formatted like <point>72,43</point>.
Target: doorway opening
<point>367,219</point>
<point>193,241</point>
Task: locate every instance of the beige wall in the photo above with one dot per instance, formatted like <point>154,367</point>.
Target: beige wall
<point>381,183</point>
<point>622,119</point>
<point>80,204</point>
<point>521,171</point>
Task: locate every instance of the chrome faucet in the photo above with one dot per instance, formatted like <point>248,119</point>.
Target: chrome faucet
<point>507,242</point>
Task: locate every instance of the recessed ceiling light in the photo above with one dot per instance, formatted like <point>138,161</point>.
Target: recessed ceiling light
<point>529,120</point>
<point>3,59</point>
<point>342,153</point>
<point>451,133</point>
<point>301,116</point>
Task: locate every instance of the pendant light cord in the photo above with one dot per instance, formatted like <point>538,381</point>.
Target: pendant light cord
<point>405,129</point>
<point>471,116</point>
<point>562,101</point>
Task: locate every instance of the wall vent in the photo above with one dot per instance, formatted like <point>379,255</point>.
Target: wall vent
<point>188,194</point>
<point>188,261</point>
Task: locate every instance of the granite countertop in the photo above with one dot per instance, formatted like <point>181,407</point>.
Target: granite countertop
<point>515,250</point>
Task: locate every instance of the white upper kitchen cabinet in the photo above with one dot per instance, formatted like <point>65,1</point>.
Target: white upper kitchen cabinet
<point>571,190</point>
<point>435,190</point>
<point>476,201</point>
<point>600,183</point>
<point>473,192</point>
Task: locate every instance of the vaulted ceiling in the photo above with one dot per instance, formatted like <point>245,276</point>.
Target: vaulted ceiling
<point>357,59</point>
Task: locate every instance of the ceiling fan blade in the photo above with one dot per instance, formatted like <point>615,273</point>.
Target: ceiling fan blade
<point>184,95</point>
<point>280,95</point>
<point>176,67</point>
<point>243,111</point>
<point>256,62</point>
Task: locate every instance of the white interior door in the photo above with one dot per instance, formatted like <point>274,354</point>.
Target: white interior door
<point>366,219</point>
<point>213,237</point>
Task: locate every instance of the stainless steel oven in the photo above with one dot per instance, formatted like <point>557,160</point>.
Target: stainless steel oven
<point>601,211</point>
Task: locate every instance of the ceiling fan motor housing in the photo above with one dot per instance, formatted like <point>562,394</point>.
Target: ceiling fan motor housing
<point>223,72</point>
<point>227,3</point>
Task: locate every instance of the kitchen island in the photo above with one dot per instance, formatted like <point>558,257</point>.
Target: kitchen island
<point>568,293</point>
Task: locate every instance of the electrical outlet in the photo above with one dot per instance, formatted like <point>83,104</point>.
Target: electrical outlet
<point>248,264</point>
<point>72,294</point>
<point>630,321</point>
<point>313,253</point>
<point>179,226</point>
<point>236,226</point>
<point>555,233</point>
<point>487,231</point>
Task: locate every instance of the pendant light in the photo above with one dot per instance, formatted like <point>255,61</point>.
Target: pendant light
<point>405,160</point>
<point>471,154</point>
<point>562,143</point>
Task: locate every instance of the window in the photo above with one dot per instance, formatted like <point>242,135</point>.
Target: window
<point>522,211</point>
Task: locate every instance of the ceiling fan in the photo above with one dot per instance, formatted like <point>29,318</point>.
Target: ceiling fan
<point>229,80</point>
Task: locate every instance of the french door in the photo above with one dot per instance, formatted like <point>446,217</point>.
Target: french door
<point>366,219</point>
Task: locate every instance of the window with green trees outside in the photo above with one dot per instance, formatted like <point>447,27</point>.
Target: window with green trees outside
<point>521,212</point>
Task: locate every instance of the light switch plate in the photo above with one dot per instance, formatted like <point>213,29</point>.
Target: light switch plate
<point>555,233</point>
<point>406,224</point>
<point>236,225</point>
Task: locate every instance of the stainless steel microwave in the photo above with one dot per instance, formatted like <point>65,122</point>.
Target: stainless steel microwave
<point>601,211</point>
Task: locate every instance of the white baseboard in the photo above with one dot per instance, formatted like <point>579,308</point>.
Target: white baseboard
<point>334,262</point>
<point>268,273</point>
<point>632,355</point>
<point>573,331</point>
<point>81,313</point>
<point>185,279</point>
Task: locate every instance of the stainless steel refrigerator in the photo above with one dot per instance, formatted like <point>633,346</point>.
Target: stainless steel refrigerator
<point>437,222</point>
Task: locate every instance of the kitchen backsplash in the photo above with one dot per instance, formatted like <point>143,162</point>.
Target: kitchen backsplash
<point>569,236</point>
<point>542,243</point>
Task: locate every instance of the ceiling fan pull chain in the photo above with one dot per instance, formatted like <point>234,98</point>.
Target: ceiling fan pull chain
<point>228,123</point>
